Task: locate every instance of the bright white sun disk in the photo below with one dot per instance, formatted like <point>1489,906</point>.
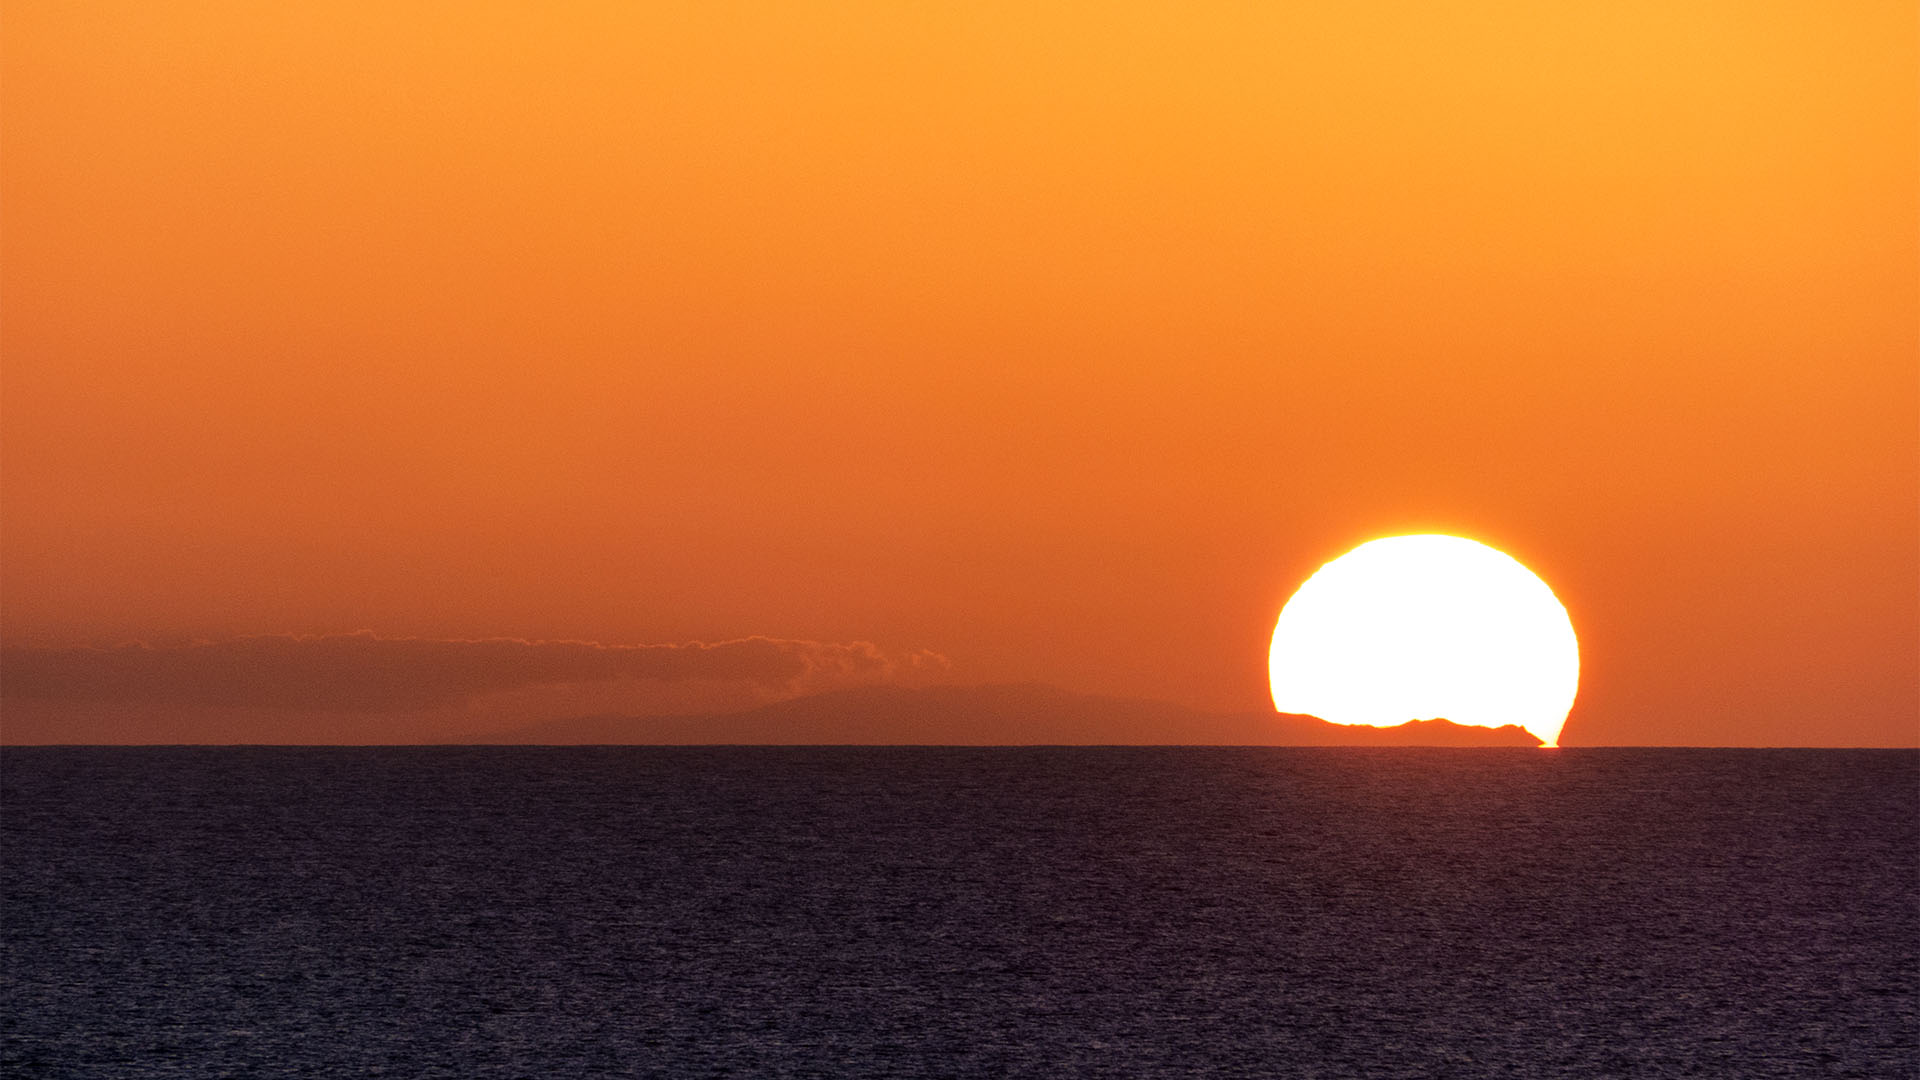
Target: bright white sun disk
<point>1426,627</point>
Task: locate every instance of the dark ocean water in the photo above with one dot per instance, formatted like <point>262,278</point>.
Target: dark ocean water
<point>871,912</point>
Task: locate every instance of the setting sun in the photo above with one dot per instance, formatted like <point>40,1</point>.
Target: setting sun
<point>645,537</point>
<point>1426,627</point>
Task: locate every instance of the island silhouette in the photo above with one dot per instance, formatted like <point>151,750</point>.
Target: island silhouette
<point>991,715</point>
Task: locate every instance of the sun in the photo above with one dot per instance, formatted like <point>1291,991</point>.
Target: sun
<point>1426,627</point>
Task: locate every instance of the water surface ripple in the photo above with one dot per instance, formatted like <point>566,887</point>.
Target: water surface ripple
<point>921,912</point>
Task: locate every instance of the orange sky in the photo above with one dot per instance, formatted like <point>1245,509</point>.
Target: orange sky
<point>1060,340</point>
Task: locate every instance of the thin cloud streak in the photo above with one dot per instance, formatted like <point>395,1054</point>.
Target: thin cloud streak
<point>363,672</point>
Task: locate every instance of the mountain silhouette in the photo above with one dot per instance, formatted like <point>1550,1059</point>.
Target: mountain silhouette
<point>992,715</point>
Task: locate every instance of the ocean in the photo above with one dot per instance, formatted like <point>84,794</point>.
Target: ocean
<point>924,912</point>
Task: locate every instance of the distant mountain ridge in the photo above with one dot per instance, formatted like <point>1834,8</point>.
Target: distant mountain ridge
<point>1006,714</point>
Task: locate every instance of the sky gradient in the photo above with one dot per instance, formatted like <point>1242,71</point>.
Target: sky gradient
<point>1054,343</point>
